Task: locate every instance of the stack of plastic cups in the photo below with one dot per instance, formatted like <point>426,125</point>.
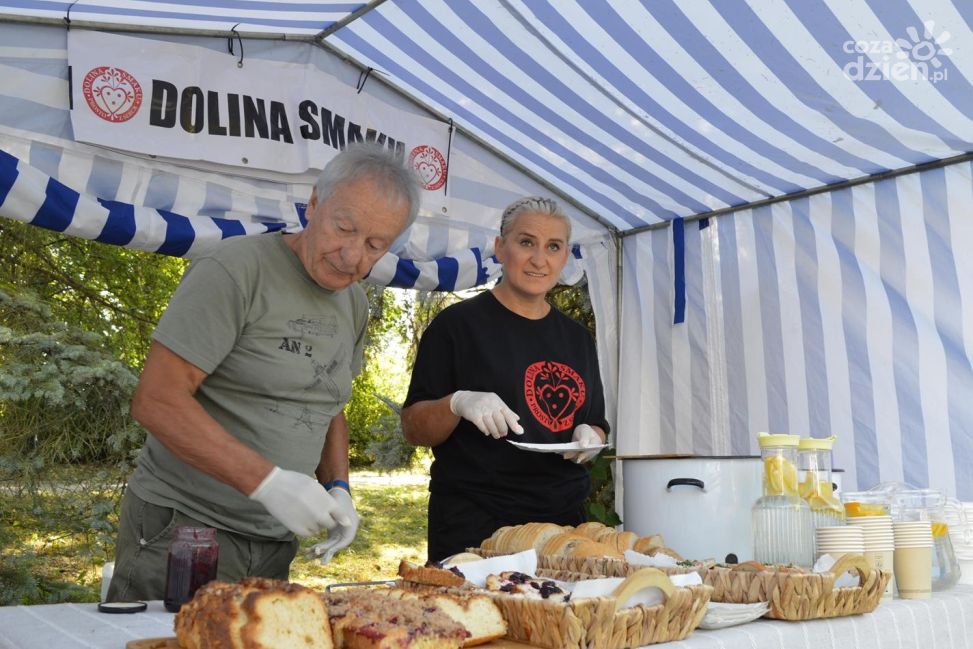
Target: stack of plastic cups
<point>879,545</point>
<point>839,541</point>
<point>913,559</point>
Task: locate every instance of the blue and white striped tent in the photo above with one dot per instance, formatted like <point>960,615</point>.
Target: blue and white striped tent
<point>772,197</point>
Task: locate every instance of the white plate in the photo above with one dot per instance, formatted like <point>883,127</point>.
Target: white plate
<point>720,615</point>
<point>554,448</point>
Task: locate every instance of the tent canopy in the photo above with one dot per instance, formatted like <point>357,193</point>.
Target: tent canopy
<point>641,112</point>
<point>833,138</point>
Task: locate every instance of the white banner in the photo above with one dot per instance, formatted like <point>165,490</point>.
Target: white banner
<point>189,102</point>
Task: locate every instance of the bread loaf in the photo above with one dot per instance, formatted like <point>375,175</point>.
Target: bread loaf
<point>645,543</point>
<point>591,529</point>
<point>254,614</point>
<point>594,549</point>
<point>550,539</point>
<point>623,540</point>
<point>525,537</point>
<point>560,545</point>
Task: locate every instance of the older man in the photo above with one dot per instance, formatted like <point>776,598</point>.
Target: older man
<point>245,382</point>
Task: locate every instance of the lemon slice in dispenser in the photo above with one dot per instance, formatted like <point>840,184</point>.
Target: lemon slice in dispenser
<point>789,472</point>
<point>774,475</point>
<point>807,485</point>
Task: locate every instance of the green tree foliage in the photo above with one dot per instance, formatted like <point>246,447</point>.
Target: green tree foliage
<point>114,292</point>
<point>373,412</point>
<point>64,397</point>
<point>368,420</point>
<point>63,403</point>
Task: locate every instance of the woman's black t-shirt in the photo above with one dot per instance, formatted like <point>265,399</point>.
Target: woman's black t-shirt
<point>545,370</point>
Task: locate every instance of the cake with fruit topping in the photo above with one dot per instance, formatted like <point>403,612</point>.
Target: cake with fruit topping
<point>518,583</point>
<point>370,619</point>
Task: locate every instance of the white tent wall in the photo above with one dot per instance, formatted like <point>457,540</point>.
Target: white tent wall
<point>846,312</point>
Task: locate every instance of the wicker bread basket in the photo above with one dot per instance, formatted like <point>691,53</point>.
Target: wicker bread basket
<point>597,566</point>
<point>598,623</point>
<point>800,596</point>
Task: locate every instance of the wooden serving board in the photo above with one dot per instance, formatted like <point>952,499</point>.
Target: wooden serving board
<point>170,643</point>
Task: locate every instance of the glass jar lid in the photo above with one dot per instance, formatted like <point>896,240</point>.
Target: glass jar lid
<point>816,443</point>
<point>767,440</point>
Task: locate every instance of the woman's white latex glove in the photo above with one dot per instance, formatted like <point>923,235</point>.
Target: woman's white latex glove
<point>487,411</point>
<point>586,436</point>
<point>299,502</point>
<point>341,536</point>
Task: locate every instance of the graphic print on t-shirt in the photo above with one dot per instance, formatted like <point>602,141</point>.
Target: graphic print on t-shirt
<point>554,392</point>
<point>323,325</point>
<point>302,416</point>
<point>323,374</point>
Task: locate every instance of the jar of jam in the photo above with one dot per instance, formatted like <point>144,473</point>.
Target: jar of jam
<point>192,562</point>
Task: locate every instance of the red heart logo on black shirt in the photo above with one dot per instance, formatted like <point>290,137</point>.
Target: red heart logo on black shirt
<point>554,392</point>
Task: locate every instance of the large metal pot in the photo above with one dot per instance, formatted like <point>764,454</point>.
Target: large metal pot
<point>700,505</point>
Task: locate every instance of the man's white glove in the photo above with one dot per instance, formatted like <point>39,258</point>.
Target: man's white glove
<point>487,411</point>
<point>298,502</point>
<point>339,537</point>
<point>586,436</point>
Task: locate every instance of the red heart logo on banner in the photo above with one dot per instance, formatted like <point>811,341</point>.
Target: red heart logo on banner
<point>113,98</point>
<point>427,172</point>
<point>554,392</point>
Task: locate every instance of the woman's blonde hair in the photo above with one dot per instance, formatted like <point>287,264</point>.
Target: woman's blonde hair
<point>532,205</point>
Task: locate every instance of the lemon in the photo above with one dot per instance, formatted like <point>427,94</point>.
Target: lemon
<point>855,508</point>
<point>822,503</point>
<point>780,476</point>
<point>790,479</point>
<point>939,530</point>
<point>807,486</point>
<point>825,488</point>
<point>773,476</point>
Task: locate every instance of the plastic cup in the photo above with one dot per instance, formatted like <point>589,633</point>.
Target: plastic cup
<point>913,572</point>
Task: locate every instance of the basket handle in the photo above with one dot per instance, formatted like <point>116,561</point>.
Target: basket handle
<point>640,580</point>
<point>850,562</point>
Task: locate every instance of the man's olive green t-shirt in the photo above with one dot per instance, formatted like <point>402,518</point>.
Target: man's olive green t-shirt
<point>280,353</point>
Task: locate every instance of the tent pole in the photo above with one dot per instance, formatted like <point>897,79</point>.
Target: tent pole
<point>355,15</point>
<point>885,175</point>
<point>150,29</point>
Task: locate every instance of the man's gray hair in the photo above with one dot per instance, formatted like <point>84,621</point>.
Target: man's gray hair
<point>532,205</point>
<point>370,160</point>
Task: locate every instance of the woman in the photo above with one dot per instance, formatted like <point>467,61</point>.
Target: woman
<point>506,361</point>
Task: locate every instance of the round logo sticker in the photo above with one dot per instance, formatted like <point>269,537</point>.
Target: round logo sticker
<point>112,93</point>
<point>430,165</point>
<point>554,392</point>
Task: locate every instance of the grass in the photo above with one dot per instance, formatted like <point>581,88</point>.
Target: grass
<point>51,549</point>
<point>393,527</point>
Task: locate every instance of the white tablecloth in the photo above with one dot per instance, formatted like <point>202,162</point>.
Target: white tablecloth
<point>943,622</point>
<point>71,626</point>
